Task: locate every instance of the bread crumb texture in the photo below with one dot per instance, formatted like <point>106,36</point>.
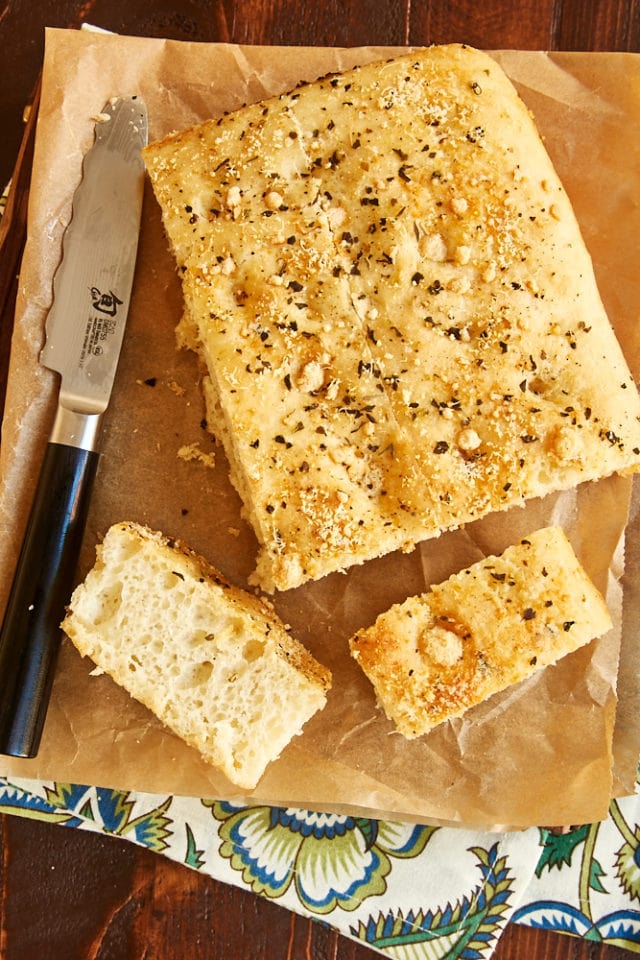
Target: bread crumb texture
<point>499,621</point>
<point>387,284</point>
<point>214,663</point>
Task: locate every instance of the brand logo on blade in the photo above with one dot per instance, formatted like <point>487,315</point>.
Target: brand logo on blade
<point>106,303</point>
<point>101,324</point>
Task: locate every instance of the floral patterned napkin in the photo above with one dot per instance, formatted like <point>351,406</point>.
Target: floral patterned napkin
<point>404,890</point>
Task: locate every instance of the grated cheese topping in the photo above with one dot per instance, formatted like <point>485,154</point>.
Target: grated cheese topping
<point>385,279</point>
<point>494,624</point>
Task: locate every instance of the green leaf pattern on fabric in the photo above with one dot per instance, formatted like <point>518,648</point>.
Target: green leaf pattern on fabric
<point>602,906</point>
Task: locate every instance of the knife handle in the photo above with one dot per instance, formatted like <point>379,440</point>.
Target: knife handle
<point>41,589</point>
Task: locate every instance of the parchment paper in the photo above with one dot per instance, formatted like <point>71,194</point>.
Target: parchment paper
<point>548,751</point>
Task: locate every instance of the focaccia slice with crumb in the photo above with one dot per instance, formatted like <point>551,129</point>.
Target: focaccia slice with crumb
<point>436,655</point>
<point>387,284</point>
<point>214,663</point>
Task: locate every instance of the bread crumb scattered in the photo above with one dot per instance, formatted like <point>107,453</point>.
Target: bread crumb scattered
<point>192,451</point>
<point>176,388</point>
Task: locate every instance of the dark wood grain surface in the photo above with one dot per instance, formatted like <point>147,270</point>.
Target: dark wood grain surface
<point>69,895</point>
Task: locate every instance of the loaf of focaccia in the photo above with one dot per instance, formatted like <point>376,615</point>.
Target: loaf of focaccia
<point>213,662</point>
<point>397,313</point>
<point>434,656</point>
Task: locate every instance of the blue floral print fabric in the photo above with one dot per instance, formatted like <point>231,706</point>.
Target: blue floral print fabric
<point>405,890</point>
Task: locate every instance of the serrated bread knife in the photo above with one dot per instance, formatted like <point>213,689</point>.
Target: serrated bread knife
<point>84,331</point>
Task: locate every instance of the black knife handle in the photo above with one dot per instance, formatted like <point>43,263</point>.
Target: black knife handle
<point>42,586</point>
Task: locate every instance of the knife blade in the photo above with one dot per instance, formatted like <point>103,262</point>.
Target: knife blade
<point>84,331</point>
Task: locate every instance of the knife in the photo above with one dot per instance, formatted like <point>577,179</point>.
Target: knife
<point>84,331</point>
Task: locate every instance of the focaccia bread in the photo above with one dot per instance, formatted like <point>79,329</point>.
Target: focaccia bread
<point>397,313</point>
<point>499,621</point>
<point>214,663</point>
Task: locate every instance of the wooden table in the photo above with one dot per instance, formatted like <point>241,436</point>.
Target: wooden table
<point>69,895</point>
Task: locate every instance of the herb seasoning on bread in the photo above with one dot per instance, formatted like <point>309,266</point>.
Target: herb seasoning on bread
<point>494,624</point>
<point>397,313</point>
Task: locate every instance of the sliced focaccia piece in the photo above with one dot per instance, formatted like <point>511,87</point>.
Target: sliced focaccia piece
<point>214,663</point>
<point>386,282</point>
<point>436,655</point>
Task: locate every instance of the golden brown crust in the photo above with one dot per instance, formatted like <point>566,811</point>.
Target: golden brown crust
<point>386,281</point>
<point>489,626</point>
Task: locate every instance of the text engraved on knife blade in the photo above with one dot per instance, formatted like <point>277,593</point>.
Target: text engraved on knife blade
<point>101,325</point>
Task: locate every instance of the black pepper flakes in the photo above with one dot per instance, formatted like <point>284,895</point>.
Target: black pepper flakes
<point>474,135</point>
<point>611,437</point>
<point>441,447</point>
